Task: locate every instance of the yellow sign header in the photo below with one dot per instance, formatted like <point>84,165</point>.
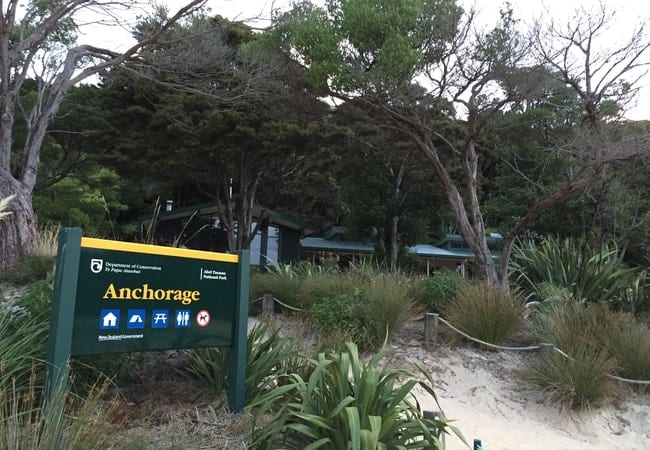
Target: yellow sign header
<point>104,244</point>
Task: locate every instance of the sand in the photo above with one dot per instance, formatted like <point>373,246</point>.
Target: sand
<point>482,393</point>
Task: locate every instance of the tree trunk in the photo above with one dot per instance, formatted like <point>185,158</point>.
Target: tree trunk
<point>18,230</point>
<point>471,228</point>
<point>394,243</point>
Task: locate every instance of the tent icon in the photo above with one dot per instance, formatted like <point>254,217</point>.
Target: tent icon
<point>135,318</point>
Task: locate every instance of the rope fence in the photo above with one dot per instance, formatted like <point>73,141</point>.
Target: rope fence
<point>431,321</point>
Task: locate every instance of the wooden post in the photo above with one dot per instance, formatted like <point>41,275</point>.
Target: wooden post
<point>267,304</point>
<point>430,330</point>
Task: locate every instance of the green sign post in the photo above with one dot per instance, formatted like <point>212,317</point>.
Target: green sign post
<point>112,296</point>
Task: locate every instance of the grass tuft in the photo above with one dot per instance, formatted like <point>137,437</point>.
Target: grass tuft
<point>486,312</point>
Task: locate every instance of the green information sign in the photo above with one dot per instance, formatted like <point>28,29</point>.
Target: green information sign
<point>115,296</point>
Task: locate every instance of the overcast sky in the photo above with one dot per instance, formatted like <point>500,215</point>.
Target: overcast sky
<point>628,12</point>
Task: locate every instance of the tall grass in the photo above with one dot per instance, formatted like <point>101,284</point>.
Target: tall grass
<point>597,341</point>
<point>574,382</point>
<point>391,303</point>
<point>47,241</point>
<point>65,421</point>
<point>486,312</point>
<point>22,347</point>
<point>627,341</point>
<point>284,282</point>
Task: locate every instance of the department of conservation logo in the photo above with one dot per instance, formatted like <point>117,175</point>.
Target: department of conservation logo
<point>96,265</point>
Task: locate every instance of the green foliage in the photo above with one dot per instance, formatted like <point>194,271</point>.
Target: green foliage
<point>559,323</point>
<point>347,403</point>
<point>28,321</point>
<point>386,43</point>
<point>268,356</point>
<point>346,316</point>
<point>36,299</point>
<point>28,268</point>
<point>89,203</point>
<point>209,366</point>
<point>486,312</point>
<point>435,292</point>
<point>546,291</point>
<point>592,275</point>
<point>574,382</point>
<point>369,314</point>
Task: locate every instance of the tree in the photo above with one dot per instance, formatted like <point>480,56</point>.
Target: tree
<point>39,46</point>
<point>425,70</point>
<point>385,191</point>
<point>214,116</point>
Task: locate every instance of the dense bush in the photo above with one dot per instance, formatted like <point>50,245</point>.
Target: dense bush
<point>346,403</point>
<point>486,312</point>
<point>435,292</point>
<point>367,315</point>
<point>345,317</point>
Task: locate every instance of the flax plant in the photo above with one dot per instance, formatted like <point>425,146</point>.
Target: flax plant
<point>346,403</point>
<point>590,275</point>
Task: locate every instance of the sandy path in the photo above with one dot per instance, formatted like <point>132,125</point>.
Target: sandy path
<point>480,390</point>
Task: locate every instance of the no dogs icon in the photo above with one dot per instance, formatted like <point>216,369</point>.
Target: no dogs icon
<point>203,318</point>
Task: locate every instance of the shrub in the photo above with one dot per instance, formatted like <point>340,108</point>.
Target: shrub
<point>559,323</point>
<point>347,404</point>
<point>326,284</point>
<point>346,315</point>
<point>36,299</point>
<point>486,312</point>
<point>435,292</point>
<point>575,381</point>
